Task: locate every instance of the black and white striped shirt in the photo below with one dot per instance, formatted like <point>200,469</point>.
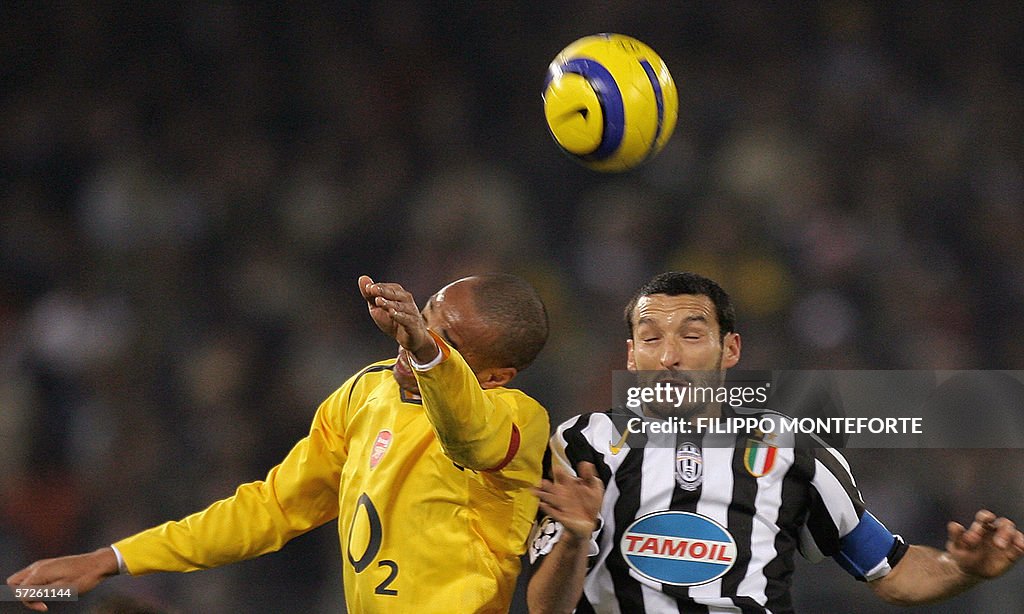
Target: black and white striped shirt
<point>710,522</point>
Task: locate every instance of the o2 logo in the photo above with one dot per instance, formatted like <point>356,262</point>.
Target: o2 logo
<point>372,547</point>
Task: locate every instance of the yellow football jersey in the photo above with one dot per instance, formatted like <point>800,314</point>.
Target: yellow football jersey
<point>432,495</point>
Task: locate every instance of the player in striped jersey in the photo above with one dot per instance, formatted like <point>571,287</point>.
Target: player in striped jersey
<point>426,461</point>
<point>654,522</point>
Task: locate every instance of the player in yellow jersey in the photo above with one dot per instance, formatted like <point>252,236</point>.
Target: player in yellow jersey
<point>426,460</point>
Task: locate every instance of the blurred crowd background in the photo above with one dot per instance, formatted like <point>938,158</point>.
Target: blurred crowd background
<point>189,190</point>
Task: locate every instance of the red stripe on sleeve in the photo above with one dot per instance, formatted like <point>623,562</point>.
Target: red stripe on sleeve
<point>513,447</point>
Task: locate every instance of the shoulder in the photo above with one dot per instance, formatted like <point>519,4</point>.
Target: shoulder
<point>371,372</point>
<point>515,396</point>
<point>524,407</point>
<point>380,366</point>
<point>529,416</point>
<point>587,433</point>
<point>588,422</point>
<point>365,379</point>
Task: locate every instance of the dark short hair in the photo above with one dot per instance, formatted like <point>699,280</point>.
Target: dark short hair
<point>513,308</point>
<point>675,283</point>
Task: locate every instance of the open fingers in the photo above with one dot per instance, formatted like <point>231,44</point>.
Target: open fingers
<point>1002,532</point>
<point>1005,532</point>
<point>955,530</point>
<point>978,529</point>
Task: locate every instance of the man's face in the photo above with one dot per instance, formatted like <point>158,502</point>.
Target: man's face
<point>452,314</point>
<point>677,340</point>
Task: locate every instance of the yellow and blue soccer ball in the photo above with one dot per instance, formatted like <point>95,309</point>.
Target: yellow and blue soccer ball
<point>610,102</point>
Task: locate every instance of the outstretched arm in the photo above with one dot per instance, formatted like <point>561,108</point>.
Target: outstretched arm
<point>985,550</point>
<point>573,502</point>
<point>297,495</point>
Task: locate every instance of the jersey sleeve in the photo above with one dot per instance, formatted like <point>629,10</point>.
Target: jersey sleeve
<point>479,430</point>
<point>298,495</point>
<point>839,525</point>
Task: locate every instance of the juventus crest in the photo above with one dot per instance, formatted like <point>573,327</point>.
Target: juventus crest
<point>689,466</point>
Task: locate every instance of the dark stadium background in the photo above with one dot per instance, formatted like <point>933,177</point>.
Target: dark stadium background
<point>188,192</point>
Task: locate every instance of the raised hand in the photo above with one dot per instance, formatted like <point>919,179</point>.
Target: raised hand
<point>574,502</point>
<point>394,311</point>
<point>988,548</point>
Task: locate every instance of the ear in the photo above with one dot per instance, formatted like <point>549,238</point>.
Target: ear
<point>496,377</point>
<point>731,345</point>
<point>630,359</point>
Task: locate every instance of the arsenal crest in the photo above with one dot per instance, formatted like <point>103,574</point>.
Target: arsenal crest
<point>380,446</point>
<point>689,466</point>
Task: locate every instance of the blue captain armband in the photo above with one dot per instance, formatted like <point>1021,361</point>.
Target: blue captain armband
<point>870,551</point>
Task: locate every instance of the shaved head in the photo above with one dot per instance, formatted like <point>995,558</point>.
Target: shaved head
<point>511,308</point>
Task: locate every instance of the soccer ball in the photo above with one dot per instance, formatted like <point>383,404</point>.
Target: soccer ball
<point>610,102</point>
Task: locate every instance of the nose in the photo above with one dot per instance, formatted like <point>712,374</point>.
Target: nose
<point>671,357</point>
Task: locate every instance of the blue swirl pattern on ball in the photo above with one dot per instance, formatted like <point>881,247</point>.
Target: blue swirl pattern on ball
<point>659,98</point>
<point>609,96</point>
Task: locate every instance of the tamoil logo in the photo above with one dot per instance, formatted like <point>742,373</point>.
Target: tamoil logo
<point>678,548</point>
